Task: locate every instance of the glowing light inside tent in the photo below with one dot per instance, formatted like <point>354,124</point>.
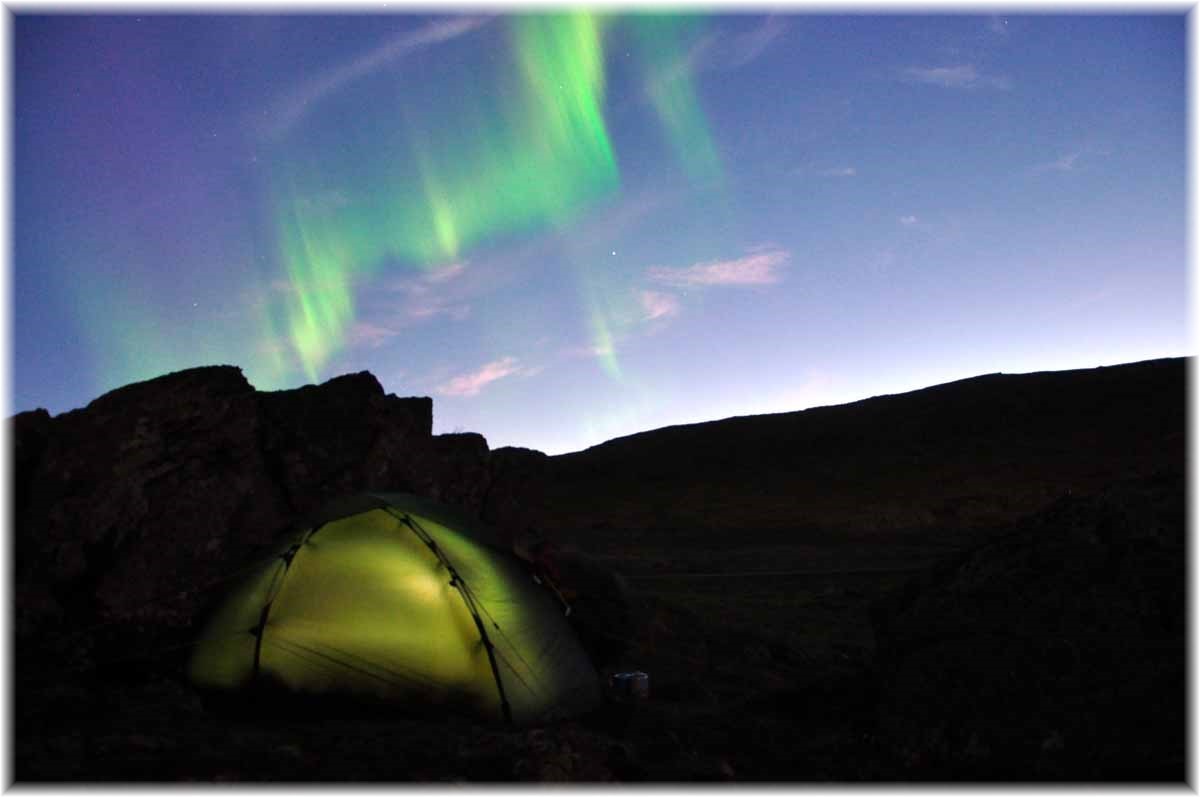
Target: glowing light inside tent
<point>367,608</point>
<point>348,603</point>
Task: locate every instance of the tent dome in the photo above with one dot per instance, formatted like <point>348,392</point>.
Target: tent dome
<point>395,598</point>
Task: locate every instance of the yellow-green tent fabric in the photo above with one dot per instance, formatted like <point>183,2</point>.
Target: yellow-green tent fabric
<point>392,597</point>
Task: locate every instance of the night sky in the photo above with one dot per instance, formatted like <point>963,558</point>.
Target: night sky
<point>569,228</point>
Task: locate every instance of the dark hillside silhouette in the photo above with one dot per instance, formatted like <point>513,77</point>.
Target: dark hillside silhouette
<point>971,452</point>
<point>978,581</point>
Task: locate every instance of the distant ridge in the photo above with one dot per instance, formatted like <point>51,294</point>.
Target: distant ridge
<point>788,413</point>
<point>972,450</point>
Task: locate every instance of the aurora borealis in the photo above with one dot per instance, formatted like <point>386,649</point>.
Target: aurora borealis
<point>571,226</point>
<point>490,168</point>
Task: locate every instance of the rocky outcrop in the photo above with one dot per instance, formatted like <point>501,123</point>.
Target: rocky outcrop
<point>133,511</point>
<point>138,493</point>
<point>517,489</point>
<point>343,436</point>
<point>1056,648</point>
<point>460,465</point>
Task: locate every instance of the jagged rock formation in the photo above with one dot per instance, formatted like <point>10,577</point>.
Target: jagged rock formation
<point>127,510</point>
<point>517,488</point>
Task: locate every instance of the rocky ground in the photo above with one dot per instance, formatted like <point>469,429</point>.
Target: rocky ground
<point>1034,634</point>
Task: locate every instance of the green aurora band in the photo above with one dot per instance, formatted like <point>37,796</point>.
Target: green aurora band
<point>537,161</point>
<point>527,150</point>
<point>663,43</point>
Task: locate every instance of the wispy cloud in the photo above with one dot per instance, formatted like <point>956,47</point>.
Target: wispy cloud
<point>721,51</point>
<point>656,310</point>
<point>1082,155</point>
<point>424,283</point>
<point>363,333</point>
<point>407,301</point>
<point>445,273</point>
<point>755,269</point>
<point>451,291</point>
<point>431,293</point>
<point>1092,297</point>
<point>1066,163</point>
<point>742,48</point>
<point>964,76</point>
<point>470,384</point>
<point>845,171</point>
<point>586,350</point>
<point>908,221</point>
<point>324,203</point>
<point>657,305</point>
<point>438,307</point>
<point>291,108</point>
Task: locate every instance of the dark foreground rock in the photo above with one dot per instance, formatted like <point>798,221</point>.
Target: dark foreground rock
<point>974,677</point>
<point>517,491</point>
<point>1021,542</point>
<point>130,513</point>
<point>1055,651</point>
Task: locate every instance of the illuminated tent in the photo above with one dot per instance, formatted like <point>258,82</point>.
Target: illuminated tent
<point>390,597</point>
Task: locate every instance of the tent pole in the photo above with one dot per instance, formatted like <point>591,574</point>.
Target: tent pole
<point>260,630</point>
<point>505,708</point>
<point>457,582</point>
